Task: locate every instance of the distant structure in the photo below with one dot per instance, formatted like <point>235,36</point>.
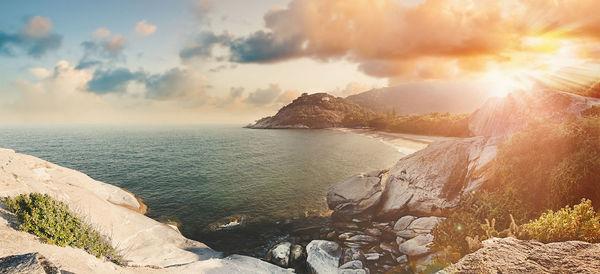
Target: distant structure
<point>304,94</point>
<point>325,99</point>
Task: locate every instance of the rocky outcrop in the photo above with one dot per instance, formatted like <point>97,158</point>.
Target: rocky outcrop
<point>144,242</point>
<point>285,254</point>
<point>32,263</point>
<point>505,116</point>
<point>323,256</point>
<point>434,178</point>
<point>319,110</point>
<point>357,194</point>
<point>509,255</point>
<point>409,227</point>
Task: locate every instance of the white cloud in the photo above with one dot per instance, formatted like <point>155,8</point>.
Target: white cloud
<point>37,27</point>
<point>40,72</point>
<point>102,33</point>
<point>142,28</point>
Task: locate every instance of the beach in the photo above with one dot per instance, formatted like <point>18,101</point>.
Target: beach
<point>402,142</point>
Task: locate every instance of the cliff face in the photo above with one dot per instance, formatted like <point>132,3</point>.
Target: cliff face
<point>142,241</point>
<point>319,110</point>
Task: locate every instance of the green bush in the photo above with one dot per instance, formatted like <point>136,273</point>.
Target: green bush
<point>54,223</point>
<point>580,222</point>
<point>474,218</point>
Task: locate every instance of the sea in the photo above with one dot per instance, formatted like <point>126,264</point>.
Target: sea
<point>224,185</point>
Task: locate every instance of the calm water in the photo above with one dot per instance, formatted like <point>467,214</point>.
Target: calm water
<point>197,175</point>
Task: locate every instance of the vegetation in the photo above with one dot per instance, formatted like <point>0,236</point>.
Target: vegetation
<point>580,222</point>
<point>54,223</point>
<point>440,124</point>
<point>545,167</point>
<point>560,163</point>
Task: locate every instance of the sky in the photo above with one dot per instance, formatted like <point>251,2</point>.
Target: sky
<point>196,62</point>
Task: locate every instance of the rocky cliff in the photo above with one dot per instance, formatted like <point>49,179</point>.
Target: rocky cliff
<point>147,245</point>
<point>319,110</point>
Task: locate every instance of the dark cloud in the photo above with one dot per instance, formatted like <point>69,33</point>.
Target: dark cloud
<point>263,47</point>
<point>35,39</point>
<point>204,44</point>
<point>104,48</point>
<point>261,97</point>
<point>113,80</point>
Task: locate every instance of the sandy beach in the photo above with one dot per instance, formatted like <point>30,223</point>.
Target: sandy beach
<point>404,143</point>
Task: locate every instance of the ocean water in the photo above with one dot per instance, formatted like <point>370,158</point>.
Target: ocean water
<point>199,175</point>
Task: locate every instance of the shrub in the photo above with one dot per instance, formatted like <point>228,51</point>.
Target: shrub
<point>476,218</point>
<point>559,162</point>
<point>580,222</point>
<point>54,223</point>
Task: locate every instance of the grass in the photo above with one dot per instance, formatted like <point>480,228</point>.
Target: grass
<point>55,224</point>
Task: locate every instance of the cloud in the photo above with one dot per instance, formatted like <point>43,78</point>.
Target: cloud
<point>288,96</point>
<point>37,27</point>
<point>263,47</point>
<point>113,80</point>
<point>176,83</point>
<point>202,8</point>
<point>443,38</point>
<point>35,38</point>
<point>40,72</point>
<point>266,96</point>
<point>142,28</point>
<point>351,89</point>
<point>101,33</point>
<point>102,47</point>
<point>203,46</point>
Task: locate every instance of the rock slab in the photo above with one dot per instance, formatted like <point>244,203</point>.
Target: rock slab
<point>323,256</point>
<point>509,255</point>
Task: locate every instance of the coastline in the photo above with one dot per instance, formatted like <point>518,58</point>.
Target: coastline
<point>402,142</point>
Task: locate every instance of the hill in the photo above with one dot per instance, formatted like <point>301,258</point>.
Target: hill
<point>420,98</point>
<point>319,110</point>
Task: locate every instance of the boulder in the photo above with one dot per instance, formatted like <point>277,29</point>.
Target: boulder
<point>356,194</point>
<point>509,255</point>
<point>280,254</point>
<point>296,255</point>
<point>352,254</point>
<point>434,178</point>
<point>416,246</point>
<point>403,223</point>
<point>419,226</point>
<point>33,263</point>
<point>506,116</point>
<point>366,239</point>
<point>323,256</point>
<point>356,264</point>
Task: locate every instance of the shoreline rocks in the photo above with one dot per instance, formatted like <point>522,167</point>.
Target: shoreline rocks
<point>357,195</point>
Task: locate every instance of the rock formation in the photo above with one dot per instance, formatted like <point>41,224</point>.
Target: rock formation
<point>434,178</point>
<point>143,242</point>
<point>32,263</point>
<point>509,255</point>
<point>357,194</point>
